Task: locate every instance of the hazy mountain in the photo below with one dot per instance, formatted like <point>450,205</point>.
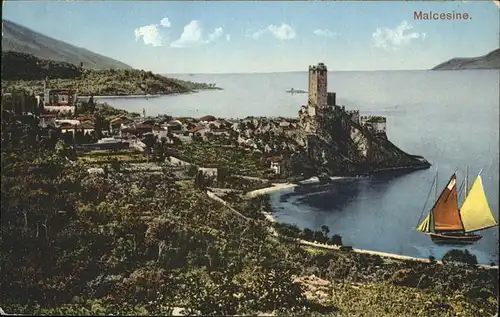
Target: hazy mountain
<point>18,38</point>
<point>488,61</point>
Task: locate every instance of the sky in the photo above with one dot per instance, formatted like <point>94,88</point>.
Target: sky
<point>265,36</point>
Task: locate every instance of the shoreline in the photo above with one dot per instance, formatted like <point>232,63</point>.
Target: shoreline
<point>143,96</point>
<point>273,188</point>
<point>122,96</point>
<point>315,180</point>
<point>394,256</point>
<point>279,186</point>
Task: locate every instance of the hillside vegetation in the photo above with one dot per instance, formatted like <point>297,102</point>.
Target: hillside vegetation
<point>21,70</point>
<point>22,66</point>
<point>21,39</point>
<point>142,244</point>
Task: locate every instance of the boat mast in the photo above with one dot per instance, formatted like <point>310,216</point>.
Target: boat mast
<point>425,205</point>
<point>466,179</point>
<point>478,174</point>
<point>436,188</point>
<point>431,220</point>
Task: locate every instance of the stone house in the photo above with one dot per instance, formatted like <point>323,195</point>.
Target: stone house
<point>195,130</point>
<point>119,123</point>
<point>220,132</point>
<point>207,118</point>
<point>275,163</point>
<point>375,124</point>
<point>175,127</point>
<point>184,120</point>
<point>236,127</point>
<point>68,127</point>
<point>267,148</point>
<point>284,124</point>
<point>86,127</point>
<point>128,131</point>
<point>143,128</point>
<point>160,132</point>
<point>47,119</point>
<point>60,100</point>
<point>59,97</point>
<point>206,176</point>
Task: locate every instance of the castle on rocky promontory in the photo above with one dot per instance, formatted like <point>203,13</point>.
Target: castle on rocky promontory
<point>339,141</point>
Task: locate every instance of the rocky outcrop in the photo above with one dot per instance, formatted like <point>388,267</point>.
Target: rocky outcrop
<point>332,142</point>
<point>339,145</point>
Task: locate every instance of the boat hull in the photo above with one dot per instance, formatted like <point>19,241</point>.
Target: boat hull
<point>454,239</point>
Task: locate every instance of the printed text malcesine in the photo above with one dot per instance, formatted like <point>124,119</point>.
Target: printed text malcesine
<point>425,16</point>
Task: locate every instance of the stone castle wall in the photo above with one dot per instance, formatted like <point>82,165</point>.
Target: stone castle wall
<point>322,104</point>
<point>373,119</point>
<point>313,91</point>
<point>337,140</point>
<point>318,86</point>
<point>331,99</point>
<point>322,89</point>
<point>376,124</point>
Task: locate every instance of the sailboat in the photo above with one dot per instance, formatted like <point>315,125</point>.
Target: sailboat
<point>447,224</point>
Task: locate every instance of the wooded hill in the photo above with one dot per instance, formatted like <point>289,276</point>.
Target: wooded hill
<point>20,70</point>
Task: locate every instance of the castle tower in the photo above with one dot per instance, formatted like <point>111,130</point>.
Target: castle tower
<point>318,86</point>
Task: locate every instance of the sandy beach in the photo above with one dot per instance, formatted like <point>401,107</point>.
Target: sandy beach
<point>279,186</point>
<point>275,187</point>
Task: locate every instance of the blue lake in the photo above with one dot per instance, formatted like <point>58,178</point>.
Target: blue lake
<point>449,117</point>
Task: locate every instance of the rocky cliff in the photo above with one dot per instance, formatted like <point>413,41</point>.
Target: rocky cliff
<point>341,145</point>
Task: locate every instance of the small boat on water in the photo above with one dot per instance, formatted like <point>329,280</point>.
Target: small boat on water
<point>296,91</point>
<point>448,224</point>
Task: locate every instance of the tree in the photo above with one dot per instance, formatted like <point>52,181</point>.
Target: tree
<point>335,240</point>
<point>99,125</point>
<point>61,148</point>
<point>116,164</point>
<point>150,140</point>
<point>325,231</point>
<point>318,236</point>
<point>307,234</point>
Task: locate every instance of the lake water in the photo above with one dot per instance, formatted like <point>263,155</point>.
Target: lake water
<point>449,117</point>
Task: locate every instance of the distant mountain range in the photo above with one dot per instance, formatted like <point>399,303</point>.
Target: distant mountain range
<point>488,61</point>
<point>21,39</point>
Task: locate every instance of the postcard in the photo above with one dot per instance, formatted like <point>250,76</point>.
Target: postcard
<point>305,158</point>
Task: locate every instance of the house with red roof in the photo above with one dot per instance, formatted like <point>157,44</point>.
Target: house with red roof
<point>47,119</point>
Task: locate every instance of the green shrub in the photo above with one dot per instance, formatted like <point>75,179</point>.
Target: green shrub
<point>462,256</point>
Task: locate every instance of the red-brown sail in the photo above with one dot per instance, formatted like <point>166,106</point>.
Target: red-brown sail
<point>445,212</point>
